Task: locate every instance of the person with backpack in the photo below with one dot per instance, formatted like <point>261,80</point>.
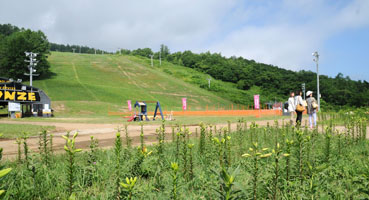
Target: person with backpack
<point>291,107</point>
<point>299,105</point>
<point>312,107</point>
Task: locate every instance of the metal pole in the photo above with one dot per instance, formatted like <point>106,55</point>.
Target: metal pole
<point>317,76</point>
<point>160,57</point>
<point>209,79</point>
<point>32,63</point>
<point>30,74</point>
<point>30,69</point>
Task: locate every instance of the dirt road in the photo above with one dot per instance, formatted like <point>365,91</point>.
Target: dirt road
<point>105,133</point>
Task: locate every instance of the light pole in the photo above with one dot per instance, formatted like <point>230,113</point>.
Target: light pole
<point>152,61</point>
<point>316,60</point>
<point>32,63</point>
<point>160,57</point>
<point>209,79</point>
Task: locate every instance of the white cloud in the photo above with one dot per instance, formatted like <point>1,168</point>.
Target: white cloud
<point>47,21</point>
<point>282,33</point>
<point>273,44</point>
<point>113,23</point>
<point>289,33</point>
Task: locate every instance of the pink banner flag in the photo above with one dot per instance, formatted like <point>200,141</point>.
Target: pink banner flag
<point>129,105</point>
<point>256,102</point>
<point>184,103</point>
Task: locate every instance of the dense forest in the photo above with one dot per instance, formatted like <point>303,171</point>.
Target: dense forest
<point>274,82</point>
<point>14,42</point>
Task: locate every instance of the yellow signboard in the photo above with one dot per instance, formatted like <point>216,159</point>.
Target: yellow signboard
<point>7,95</point>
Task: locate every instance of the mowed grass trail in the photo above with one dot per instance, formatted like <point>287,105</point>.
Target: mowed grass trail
<point>90,85</point>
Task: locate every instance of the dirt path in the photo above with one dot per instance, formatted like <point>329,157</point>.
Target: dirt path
<point>105,133</point>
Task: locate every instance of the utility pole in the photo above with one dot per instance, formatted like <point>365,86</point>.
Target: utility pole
<point>303,89</point>
<point>160,57</point>
<point>95,51</point>
<point>32,64</point>
<point>152,61</point>
<point>209,79</point>
<point>316,59</point>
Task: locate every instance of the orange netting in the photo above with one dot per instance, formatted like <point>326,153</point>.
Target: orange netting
<point>256,113</point>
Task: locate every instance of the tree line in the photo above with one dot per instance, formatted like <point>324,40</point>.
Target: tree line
<point>163,53</point>
<point>75,48</point>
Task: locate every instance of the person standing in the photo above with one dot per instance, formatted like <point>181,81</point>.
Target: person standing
<point>291,107</point>
<point>311,108</point>
<point>298,101</point>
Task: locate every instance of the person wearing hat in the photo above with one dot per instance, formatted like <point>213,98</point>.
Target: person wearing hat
<point>312,107</point>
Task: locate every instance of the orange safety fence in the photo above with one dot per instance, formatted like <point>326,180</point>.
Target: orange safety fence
<point>256,113</point>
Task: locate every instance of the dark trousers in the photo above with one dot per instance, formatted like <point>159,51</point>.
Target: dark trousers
<point>298,118</point>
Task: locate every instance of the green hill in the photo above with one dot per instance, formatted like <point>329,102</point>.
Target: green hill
<point>90,85</point>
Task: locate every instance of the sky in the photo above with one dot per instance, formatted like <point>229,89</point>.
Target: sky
<point>283,33</point>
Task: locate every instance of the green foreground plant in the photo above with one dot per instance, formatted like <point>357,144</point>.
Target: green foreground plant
<point>280,163</point>
<point>71,152</point>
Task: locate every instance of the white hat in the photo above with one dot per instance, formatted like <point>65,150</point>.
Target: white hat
<point>308,93</point>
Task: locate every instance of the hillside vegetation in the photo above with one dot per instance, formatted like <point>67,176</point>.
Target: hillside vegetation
<point>223,89</point>
<point>87,84</point>
<point>274,83</point>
